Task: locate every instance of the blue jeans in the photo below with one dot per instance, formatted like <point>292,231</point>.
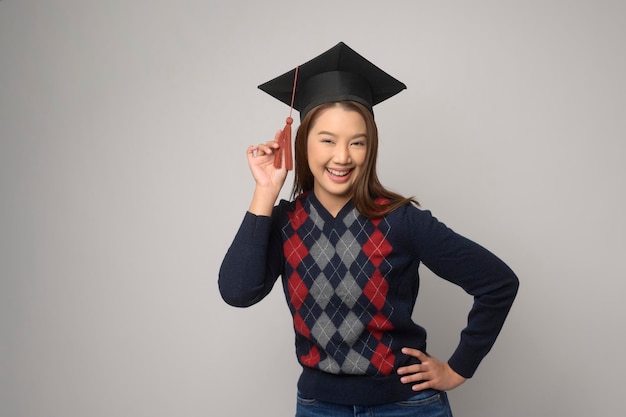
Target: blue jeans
<point>427,403</point>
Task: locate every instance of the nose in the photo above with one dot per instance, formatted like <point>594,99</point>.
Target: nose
<point>342,154</point>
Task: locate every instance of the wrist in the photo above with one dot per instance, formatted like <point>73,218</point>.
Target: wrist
<point>263,201</point>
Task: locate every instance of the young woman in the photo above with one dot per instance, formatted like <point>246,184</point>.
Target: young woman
<point>348,252</point>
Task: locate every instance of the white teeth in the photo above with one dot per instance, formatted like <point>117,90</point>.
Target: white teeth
<point>338,173</point>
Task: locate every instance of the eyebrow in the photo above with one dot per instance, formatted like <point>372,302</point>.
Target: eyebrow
<point>358,135</point>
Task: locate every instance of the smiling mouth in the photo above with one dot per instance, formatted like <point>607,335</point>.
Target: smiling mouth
<point>337,173</point>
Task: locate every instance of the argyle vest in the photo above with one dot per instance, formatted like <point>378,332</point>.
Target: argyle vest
<point>336,286</point>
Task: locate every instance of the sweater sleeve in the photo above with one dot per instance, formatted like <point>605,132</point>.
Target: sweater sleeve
<point>480,273</point>
<point>252,263</point>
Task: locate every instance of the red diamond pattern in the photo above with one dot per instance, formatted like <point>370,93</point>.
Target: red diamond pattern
<point>383,359</point>
<point>312,358</point>
<point>299,216</point>
<point>295,251</point>
<point>297,290</point>
<point>300,325</point>
<point>376,289</point>
<point>379,324</point>
<point>377,248</point>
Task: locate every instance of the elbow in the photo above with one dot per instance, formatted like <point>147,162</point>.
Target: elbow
<point>508,290</point>
<point>237,294</point>
<point>514,284</point>
<point>232,300</point>
<point>508,282</point>
<point>237,298</point>
<point>236,302</point>
<point>502,293</point>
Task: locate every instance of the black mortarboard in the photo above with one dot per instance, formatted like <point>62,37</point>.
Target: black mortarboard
<point>339,74</point>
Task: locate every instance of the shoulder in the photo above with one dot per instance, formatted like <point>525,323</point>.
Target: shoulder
<point>290,206</point>
<point>410,214</point>
<point>291,210</point>
<point>285,205</point>
<point>416,226</point>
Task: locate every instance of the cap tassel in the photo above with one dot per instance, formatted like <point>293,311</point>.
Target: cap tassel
<point>285,147</point>
<point>285,136</point>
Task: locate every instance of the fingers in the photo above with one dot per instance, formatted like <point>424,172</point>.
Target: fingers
<point>416,372</point>
<point>267,148</point>
<point>429,373</point>
<point>411,369</point>
<point>259,156</point>
<point>415,353</point>
<point>263,149</point>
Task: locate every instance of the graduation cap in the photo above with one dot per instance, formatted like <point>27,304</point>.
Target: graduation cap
<point>339,74</point>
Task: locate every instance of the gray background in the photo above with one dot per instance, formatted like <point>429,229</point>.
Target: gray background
<point>123,129</point>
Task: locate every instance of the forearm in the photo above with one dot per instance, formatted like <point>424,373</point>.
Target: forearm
<point>485,321</point>
<point>248,270</point>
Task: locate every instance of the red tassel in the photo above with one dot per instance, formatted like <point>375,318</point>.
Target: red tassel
<point>285,147</point>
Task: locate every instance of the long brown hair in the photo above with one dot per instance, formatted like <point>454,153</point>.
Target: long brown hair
<point>370,198</point>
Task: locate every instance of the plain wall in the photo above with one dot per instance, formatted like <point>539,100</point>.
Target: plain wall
<point>123,178</point>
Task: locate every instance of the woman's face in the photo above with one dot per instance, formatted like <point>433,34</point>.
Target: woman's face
<point>336,151</point>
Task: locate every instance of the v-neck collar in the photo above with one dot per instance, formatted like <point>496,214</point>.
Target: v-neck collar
<point>325,214</point>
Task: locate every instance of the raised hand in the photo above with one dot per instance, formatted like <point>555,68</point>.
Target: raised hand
<point>269,179</point>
